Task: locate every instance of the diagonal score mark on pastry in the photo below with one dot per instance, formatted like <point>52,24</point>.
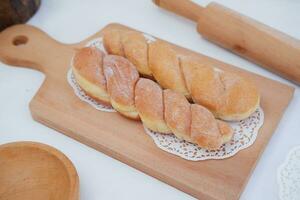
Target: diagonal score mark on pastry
<point>168,76</point>
<point>136,50</point>
<point>227,95</point>
<point>142,98</point>
<point>177,114</point>
<point>121,77</point>
<point>150,105</point>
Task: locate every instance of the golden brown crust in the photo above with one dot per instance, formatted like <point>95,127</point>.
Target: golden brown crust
<point>163,111</point>
<point>87,69</point>
<point>121,77</point>
<point>228,96</point>
<point>210,91</point>
<point>177,114</point>
<point>241,98</point>
<point>136,50</point>
<point>164,64</point>
<point>88,63</point>
<point>204,128</point>
<point>112,41</point>
<point>149,104</point>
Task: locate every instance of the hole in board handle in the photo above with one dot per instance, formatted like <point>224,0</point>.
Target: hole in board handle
<point>20,40</point>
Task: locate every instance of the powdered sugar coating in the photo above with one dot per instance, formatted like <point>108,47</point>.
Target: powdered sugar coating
<point>83,96</point>
<point>245,131</point>
<point>121,77</point>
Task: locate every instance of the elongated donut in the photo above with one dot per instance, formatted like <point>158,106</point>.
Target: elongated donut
<point>121,77</point>
<point>177,114</point>
<point>88,71</point>
<point>150,105</point>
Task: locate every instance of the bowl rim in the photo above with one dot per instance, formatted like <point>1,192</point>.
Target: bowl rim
<point>67,163</point>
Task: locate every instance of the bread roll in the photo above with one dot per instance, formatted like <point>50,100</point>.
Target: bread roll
<point>228,96</point>
<point>164,111</point>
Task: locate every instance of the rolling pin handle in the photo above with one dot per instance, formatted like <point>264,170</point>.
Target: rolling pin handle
<point>185,8</point>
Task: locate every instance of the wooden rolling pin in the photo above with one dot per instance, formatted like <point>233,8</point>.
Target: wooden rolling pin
<point>255,41</point>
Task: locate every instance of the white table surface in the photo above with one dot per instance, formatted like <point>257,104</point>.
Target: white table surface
<point>102,177</point>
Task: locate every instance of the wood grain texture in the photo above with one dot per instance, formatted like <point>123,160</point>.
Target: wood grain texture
<point>242,35</point>
<point>255,41</point>
<point>34,171</point>
<point>185,8</point>
<point>56,106</point>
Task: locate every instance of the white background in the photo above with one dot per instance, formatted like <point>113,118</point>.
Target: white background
<point>102,177</point>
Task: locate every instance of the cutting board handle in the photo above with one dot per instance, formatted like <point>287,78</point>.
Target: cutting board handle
<point>185,8</point>
<point>25,46</point>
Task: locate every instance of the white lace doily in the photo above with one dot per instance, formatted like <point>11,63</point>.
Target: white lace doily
<point>245,131</point>
<point>83,96</point>
<point>98,43</point>
<point>288,176</point>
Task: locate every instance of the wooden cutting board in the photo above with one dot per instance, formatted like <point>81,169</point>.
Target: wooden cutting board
<point>56,106</point>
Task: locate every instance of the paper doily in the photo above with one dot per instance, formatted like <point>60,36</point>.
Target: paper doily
<point>288,176</point>
<point>83,96</point>
<point>245,131</point>
<point>98,43</point>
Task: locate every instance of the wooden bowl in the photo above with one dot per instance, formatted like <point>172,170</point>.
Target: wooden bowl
<point>35,171</point>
